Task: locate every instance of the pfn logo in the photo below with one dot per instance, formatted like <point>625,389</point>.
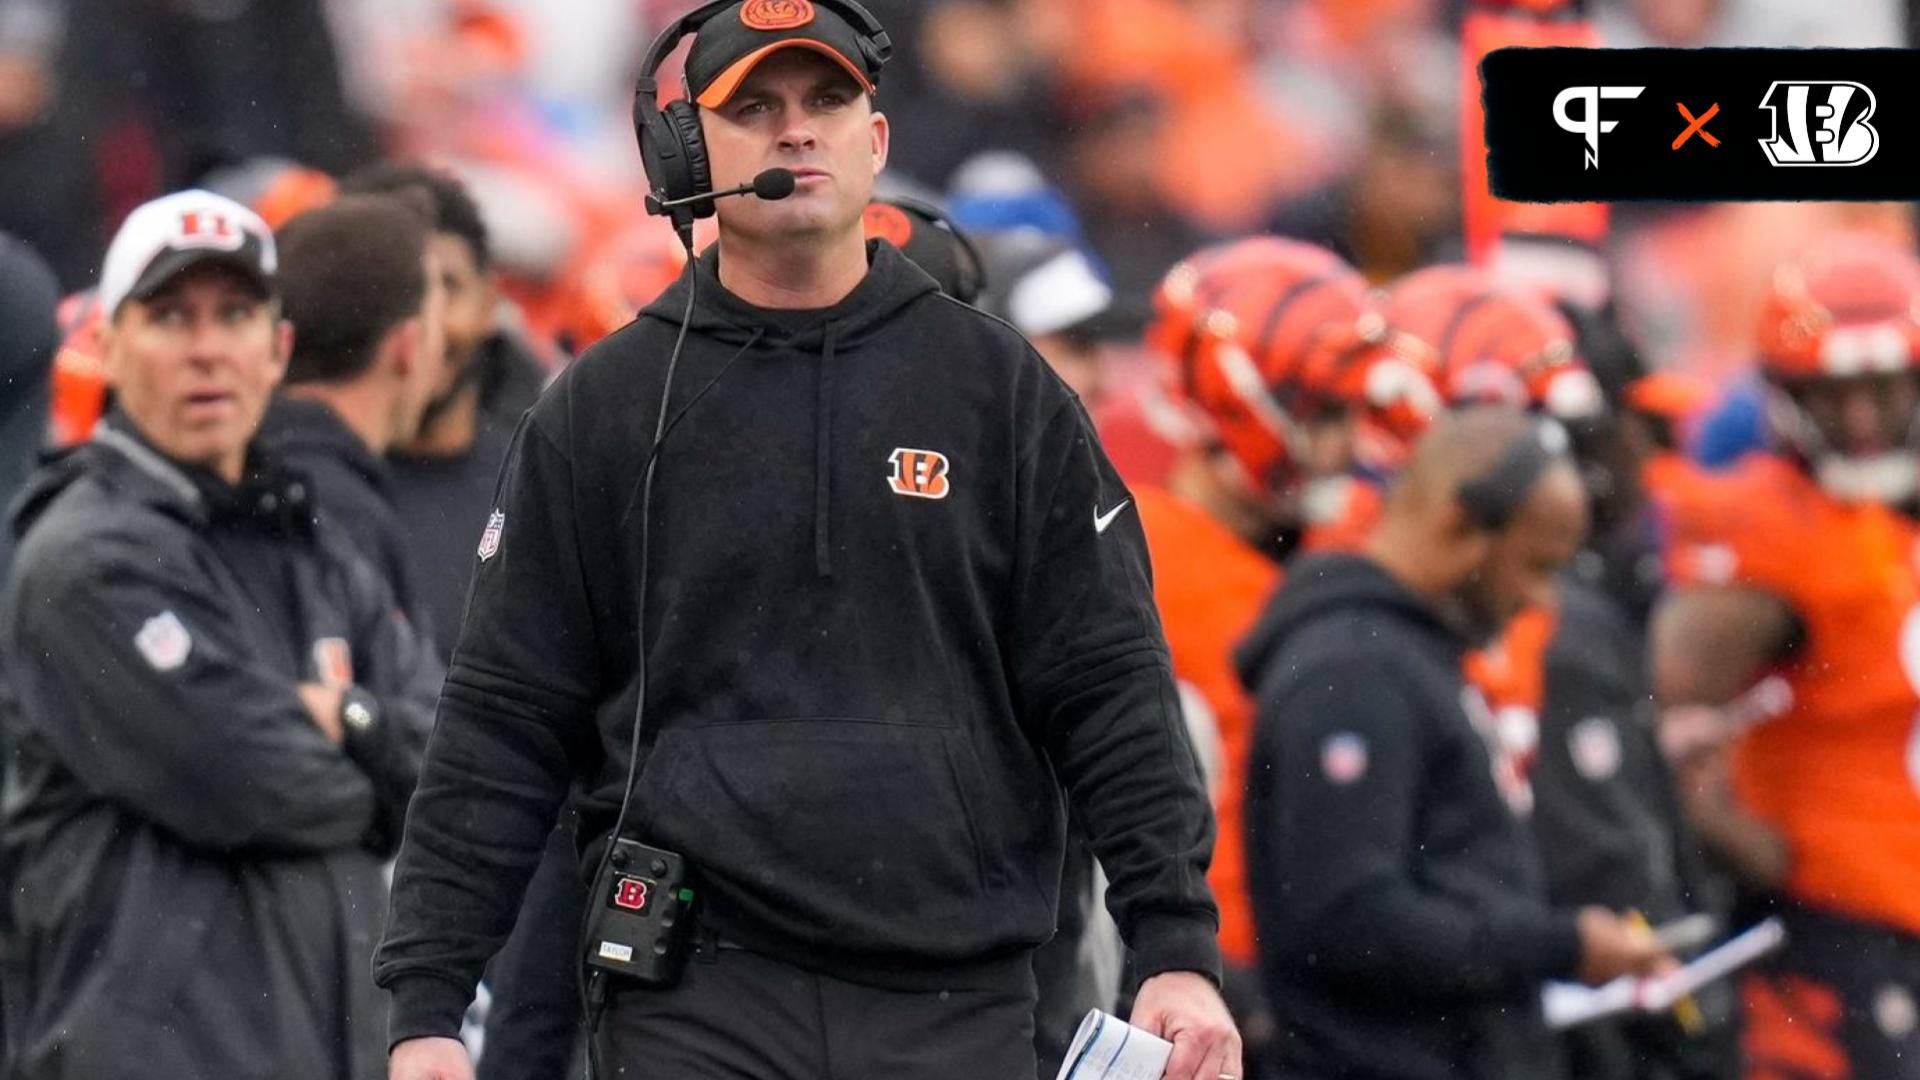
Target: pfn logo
<point>1826,124</point>
<point>632,894</point>
<point>921,474</point>
<point>1589,125</point>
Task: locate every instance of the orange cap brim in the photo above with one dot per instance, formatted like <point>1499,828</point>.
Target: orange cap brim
<point>723,87</point>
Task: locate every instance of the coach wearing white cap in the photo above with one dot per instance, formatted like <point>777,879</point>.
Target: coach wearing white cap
<point>215,722</point>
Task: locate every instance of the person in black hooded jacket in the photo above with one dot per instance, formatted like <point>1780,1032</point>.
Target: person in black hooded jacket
<point>891,599</point>
<point>1402,913</point>
<point>28,338</point>
<point>218,718</point>
<point>363,292</point>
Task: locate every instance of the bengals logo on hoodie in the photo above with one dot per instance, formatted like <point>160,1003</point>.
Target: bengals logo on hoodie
<point>919,474</point>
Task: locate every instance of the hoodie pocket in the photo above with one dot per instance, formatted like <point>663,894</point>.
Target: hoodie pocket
<point>850,832</point>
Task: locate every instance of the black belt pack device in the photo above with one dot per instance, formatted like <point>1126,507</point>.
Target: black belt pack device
<point>643,907</point>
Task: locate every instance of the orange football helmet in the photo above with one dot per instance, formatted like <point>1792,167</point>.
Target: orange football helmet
<point>1188,292</point>
<point>1848,308</point>
<point>1492,343</point>
<point>617,277</point>
<point>1845,313</point>
<point>1261,335</point>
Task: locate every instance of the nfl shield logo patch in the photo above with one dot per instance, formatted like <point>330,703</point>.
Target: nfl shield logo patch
<point>490,539</point>
<point>1343,758</point>
<point>1594,744</point>
<point>164,641</point>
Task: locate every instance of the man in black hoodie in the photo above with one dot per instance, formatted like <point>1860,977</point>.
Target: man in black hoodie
<point>1401,909</point>
<point>866,595</point>
<point>364,295</point>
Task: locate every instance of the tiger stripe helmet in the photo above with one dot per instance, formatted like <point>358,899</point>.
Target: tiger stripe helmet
<point>1258,336</point>
<point>1491,342</point>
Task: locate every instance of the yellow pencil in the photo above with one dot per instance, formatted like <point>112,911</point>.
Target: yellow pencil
<point>1686,1011</point>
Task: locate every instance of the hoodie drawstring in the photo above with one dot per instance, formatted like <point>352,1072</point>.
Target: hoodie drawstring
<point>823,458</point>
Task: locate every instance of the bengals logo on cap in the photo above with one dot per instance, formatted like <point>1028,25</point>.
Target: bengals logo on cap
<point>776,14</point>
<point>884,221</point>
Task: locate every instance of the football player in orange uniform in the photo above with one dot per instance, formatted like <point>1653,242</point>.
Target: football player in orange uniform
<point>1801,564</point>
<point>1272,352</point>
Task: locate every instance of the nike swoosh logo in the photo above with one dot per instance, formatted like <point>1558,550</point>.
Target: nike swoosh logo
<point>1101,521</point>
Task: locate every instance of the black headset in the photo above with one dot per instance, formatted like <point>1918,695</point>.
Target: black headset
<point>672,149</point>
<point>1494,498</point>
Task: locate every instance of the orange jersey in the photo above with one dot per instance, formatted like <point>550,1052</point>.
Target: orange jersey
<point>1343,523</point>
<point>1211,586</point>
<point>1839,773</point>
<point>1511,675</point>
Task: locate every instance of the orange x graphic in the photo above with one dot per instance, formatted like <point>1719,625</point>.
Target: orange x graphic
<point>1697,125</point>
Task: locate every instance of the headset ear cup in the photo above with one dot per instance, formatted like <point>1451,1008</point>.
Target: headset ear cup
<point>665,164</point>
<point>684,118</point>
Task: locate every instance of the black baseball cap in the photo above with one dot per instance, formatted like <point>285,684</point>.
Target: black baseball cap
<point>930,241</point>
<point>731,43</point>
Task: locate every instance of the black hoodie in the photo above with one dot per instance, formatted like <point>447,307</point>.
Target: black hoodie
<point>897,598</point>
<point>1403,924</point>
<point>352,491</point>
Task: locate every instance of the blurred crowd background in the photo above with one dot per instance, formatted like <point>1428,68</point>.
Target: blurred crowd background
<point>1160,123</point>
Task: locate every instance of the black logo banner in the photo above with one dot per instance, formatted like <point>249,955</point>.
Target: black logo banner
<point>1608,125</point>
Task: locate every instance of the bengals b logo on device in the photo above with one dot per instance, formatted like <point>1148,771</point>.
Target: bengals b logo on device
<point>633,894</point>
<point>920,474</point>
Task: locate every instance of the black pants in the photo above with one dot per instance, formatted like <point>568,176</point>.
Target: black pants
<point>739,1016</point>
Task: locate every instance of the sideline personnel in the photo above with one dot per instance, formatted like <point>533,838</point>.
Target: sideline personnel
<point>886,588</point>
<point>1396,892</point>
<point>220,717</point>
<point>363,291</point>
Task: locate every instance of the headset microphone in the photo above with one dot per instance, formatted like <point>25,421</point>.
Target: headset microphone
<point>773,184</point>
<point>770,185</point>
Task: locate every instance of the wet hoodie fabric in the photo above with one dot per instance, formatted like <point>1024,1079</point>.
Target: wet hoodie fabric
<point>897,600</point>
<point>1401,909</point>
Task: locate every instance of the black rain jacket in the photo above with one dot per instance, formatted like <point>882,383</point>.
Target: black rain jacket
<point>1404,927</point>
<point>195,869</point>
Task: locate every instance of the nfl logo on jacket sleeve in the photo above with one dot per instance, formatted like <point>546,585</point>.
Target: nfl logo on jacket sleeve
<point>490,539</point>
<point>164,641</point>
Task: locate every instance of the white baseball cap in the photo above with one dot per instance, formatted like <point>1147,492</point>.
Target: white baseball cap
<point>171,233</point>
<point>1041,283</point>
